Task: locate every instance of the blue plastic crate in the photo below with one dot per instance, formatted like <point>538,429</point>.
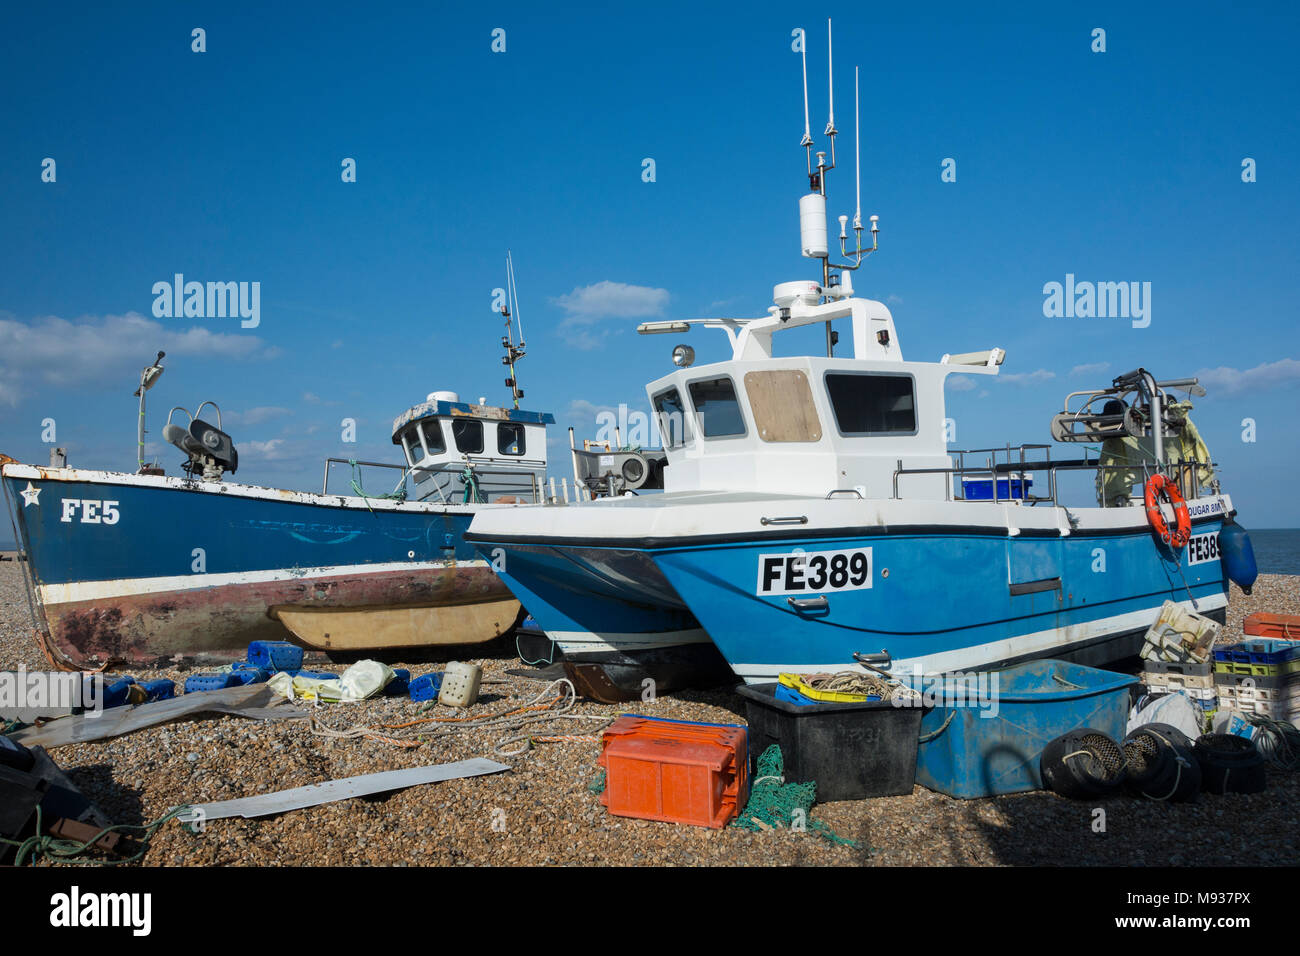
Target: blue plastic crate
<point>965,754</point>
<point>117,692</point>
<point>250,675</point>
<point>792,696</point>
<point>425,687</point>
<point>196,683</point>
<point>161,689</point>
<point>981,489</point>
<point>275,656</point>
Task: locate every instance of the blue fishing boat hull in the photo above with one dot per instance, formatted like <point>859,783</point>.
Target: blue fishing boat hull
<point>932,597</point>
<point>939,602</point>
<point>147,569</point>
<point>622,631</point>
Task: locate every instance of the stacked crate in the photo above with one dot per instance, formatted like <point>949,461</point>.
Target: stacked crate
<point>1259,676</point>
<point>1189,678</point>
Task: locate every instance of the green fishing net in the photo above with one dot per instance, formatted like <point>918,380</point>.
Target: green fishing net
<point>773,802</point>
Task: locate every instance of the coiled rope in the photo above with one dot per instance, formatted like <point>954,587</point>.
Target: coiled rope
<point>67,851</point>
<point>549,705</point>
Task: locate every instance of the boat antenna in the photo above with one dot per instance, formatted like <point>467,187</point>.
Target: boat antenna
<point>830,77</point>
<point>859,253</point>
<point>807,141</point>
<point>149,376</point>
<point>513,352</point>
<point>857,156</point>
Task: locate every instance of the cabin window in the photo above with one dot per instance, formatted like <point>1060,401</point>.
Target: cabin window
<point>433,440</point>
<point>468,435</point>
<point>781,402</point>
<point>716,404</point>
<point>872,403</point>
<point>412,456</point>
<point>673,427</point>
<point>510,438</point>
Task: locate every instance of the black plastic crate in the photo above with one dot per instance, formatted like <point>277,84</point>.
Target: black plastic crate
<point>852,751</point>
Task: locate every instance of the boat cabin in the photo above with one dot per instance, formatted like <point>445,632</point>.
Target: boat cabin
<point>808,424</point>
<point>464,453</point>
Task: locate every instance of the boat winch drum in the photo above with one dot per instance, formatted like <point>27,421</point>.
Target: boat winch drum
<point>1158,487</point>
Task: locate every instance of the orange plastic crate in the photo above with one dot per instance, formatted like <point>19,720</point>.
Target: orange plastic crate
<point>675,771</point>
<point>1261,624</point>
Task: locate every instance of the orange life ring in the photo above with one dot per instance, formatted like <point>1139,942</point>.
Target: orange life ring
<point>1159,486</point>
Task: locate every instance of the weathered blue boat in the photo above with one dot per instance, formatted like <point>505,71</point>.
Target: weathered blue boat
<point>145,568</point>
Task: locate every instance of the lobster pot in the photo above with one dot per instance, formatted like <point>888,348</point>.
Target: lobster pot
<point>983,745</point>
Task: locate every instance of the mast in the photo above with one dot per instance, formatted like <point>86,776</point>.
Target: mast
<point>513,352</point>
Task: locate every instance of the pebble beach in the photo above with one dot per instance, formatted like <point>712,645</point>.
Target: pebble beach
<point>543,811</point>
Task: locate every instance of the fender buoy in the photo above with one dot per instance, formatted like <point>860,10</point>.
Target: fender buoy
<point>1158,486</point>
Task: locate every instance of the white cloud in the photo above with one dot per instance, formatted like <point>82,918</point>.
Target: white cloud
<point>1027,378</point>
<point>1268,375</point>
<point>1090,368</point>
<point>589,304</point>
<point>582,411</point>
<point>960,383</point>
<point>102,350</point>
<point>272,450</point>
<point>255,416</point>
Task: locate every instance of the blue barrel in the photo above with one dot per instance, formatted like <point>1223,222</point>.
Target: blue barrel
<point>1237,555</point>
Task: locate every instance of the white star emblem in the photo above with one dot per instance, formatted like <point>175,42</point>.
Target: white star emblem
<point>30,495</point>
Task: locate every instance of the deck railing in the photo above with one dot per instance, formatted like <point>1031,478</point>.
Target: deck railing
<point>1017,462</point>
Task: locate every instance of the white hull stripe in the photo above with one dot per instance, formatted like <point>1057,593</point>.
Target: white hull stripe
<point>585,642</point>
<point>54,594</point>
<point>969,658</point>
<point>237,490</point>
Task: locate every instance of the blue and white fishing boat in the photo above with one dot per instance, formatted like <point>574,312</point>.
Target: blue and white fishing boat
<point>148,568</point>
<point>814,515</point>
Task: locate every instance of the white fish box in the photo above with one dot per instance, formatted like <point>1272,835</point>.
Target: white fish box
<point>1180,635</point>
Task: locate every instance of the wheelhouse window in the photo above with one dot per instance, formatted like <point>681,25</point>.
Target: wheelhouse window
<point>434,443</point>
<point>719,410</point>
<point>468,435</point>
<point>673,426</point>
<point>872,403</point>
<point>510,438</point>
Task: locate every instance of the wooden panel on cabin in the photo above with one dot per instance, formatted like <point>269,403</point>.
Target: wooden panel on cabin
<point>782,405</point>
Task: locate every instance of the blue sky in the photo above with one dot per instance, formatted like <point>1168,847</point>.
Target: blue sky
<point>225,166</point>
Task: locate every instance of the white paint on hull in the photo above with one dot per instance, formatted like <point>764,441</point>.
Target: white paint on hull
<point>585,642</point>
<point>53,595</point>
<point>234,489</point>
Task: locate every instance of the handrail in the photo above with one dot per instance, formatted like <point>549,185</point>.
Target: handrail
<point>1048,466</point>
<point>324,489</point>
